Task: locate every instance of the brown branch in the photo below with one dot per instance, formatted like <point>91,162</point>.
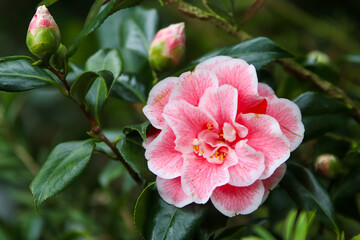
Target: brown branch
<point>96,129</point>
<point>62,78</point>
<point>289,65</point>
<point>195,12</point>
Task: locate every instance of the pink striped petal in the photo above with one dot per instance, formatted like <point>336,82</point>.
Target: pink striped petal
<point>240,75</point>
<point>249,168</point>
<point>170,190</point>
<point>199,177</point>
<point>163,159</point>
<point>271,182</point>
<point>232,201</point>
<point>152,134</point>
<point>192,85</point>
<point>265,136</point>
<point>212,62</point>
<point>288,115</point>
<point>265,90</point>
<point>221,103</point>
<point>187,122</point>
<point>158,98</point>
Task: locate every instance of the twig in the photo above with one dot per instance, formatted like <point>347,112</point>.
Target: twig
<point>196,12</point>
<point>290,66</point>
<point>96,129</point>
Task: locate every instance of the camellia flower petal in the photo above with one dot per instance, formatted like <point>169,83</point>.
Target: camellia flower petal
<point>220,135</point>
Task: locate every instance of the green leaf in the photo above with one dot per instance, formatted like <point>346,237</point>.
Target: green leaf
<point>92,26</point>
<point>306,191</point>
<point>349,184</point>
<point>156,219</point>
<point>138,29</point>
<point>136,81</point>
<point>63,165</point>
<point>106,59</point>
<point>82,85</point>
<point>99,92</point>
<point>131,149</point>
<point>263,233</point>
<point>301,227</point>
<point>113,170</point>
<point>20,75</point>
<point>231,233</point>
<point>320,114</point>
<point>127,87</point>
<point>125,4</point>
<point>47,2</point>
<point>96,94</point>
<point>17,57</point>
<point>258,51</point>
<point>289,225</point>
<point>357,237</point>
<point>94,10</point>
<point>140,128</point>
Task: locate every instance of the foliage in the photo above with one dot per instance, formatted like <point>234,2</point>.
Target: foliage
<point>99,186</point>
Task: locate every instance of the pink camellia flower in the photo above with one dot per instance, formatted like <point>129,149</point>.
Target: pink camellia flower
<point>43,37</point>
<point>220,135</point>
<point>167,47</point>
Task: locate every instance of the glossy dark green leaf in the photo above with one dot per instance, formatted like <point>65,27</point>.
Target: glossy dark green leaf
<point>125,4</point>
<point>16,57</point>
<point>82,85</point>
<point>223,7</point>
<point>156,219</point>
<point>20,75</point>
<point>140,128</point>
<point>127,87</point>
<point>99,92</point>
<point>258,51</point>
<point>63,165</point>
<point>131,149</point>
<point>349,184</point>
<point>136,81</point>
<point>47,2</point>
<point>138,29</point>
<point>94,10</point>
<point>320,114</point>
<point>97,97</point>
<point>90,27</point>
<point>306,191</point>
<point>106,59</point>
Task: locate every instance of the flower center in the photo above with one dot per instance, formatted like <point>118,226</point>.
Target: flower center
<point>212,146</point>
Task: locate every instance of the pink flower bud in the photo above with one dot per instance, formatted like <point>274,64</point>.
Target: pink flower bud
<point>43,37</point>
<point>328,165</point>
<point>168,47</point>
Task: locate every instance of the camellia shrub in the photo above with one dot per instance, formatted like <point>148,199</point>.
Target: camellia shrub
<point>245,141</point>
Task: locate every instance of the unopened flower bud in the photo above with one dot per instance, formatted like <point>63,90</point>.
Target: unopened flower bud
<point>43,36</point>
<point>328,165</point>
<point>318,57</point>
<point>168,47</point>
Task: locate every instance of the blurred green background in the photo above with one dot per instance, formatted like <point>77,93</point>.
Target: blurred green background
<point>100,203</point>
